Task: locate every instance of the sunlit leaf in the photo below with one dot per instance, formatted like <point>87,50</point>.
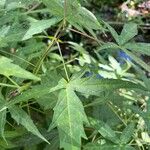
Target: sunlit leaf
<point>7,68</point>
<point>39,26</point>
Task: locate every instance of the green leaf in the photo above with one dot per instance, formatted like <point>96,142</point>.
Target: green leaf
<point>104,130</point>
<point>128,32</point>
<point>2,120</point>
<point>82,18</point>
<point>7,68</point>
<point>21,117</point>
<point>94,86</point>
<point>127,133</point>
<point>113,32</point>
<point>137,60</point>
<point>39,26</point>
<point>2,123</point>
<point>108,45</point>
<point>95,146</point>
<point>69,117</point>
<point>4,30</point>
<point>56,7</point>
<point>36,92</point>
<point>29,140</point>
<point>143,48</point>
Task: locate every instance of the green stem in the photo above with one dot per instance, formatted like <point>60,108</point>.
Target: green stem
<point>65,12</point>
<point>14,82</point>
<point>63,61</point>
<point>8,85</point>
<point>111,107</point>
<point>39,63</point>
<point>17,57</point>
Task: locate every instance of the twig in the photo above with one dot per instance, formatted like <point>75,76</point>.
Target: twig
<point>63,60</point>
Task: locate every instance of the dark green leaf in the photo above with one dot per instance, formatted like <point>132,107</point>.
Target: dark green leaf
<point>104,130</point>
<point>127,133</point>
<point>94,86</point>
<point>22,118</point>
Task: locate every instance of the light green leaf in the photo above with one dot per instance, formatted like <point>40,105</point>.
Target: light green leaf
<point>127,133</point>
<point>7,68</point>
<point>143,48</point>
<point>128,32</point>
<point>69,117</point>
<point>21,117</point>
<point>39,26</point>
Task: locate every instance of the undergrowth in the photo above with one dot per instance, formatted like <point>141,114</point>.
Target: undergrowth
<point>63,87</point>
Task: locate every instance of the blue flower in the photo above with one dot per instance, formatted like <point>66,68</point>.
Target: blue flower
<point>122,54</point>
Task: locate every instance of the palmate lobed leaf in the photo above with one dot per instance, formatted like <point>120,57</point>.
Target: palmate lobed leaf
<point>7,68</point>
<point>69,123</point>
<point>74,13</point>
<point>129,31</point>
<point>69,117</point>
